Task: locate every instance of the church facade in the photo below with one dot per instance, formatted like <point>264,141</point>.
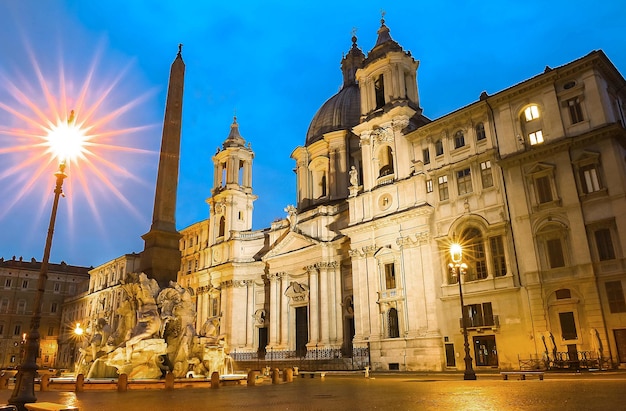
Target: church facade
<point>529,180</point>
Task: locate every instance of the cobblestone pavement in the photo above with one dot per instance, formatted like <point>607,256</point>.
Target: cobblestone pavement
<point>585,391</point>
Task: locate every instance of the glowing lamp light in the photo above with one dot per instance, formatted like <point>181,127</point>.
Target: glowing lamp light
<point>66,140</point>
<point>78,330</point>
<point>456,253</point>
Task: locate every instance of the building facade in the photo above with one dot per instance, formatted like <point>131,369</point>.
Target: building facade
<point>528,180</point>
<point>18,287</point>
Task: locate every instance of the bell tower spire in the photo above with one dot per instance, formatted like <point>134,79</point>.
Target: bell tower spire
<point>160,258</point>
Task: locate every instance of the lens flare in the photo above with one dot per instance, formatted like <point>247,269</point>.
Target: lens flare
<point>66,140</point>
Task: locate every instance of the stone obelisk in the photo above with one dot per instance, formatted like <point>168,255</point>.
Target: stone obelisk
<point>160,258</point>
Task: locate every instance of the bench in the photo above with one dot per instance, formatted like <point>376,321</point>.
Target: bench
<point>49,406</point>
<point>312,373</point>
<point>522,374</point>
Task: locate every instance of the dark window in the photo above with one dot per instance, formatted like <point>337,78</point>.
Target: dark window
<point>379,90</point>
<point>1,329</point>
<point>390,276</point>
<point>563,294</point>
<point>497,255</point>
<point>443,188</point>
<point>555,253</point>
<point>25,284</point>
<point>615,296</point>
<point>485,174</point>
<point>50,331</point>
<point>392,318</point>
<point>479,315</point>
<point>480,132</point>
<point>17,330</point>
<point>323,183</point>
<point>426,155</point>
<point>385,161</point>
<point>604,244</point>
<point>464,181</point>
<point>459,139</point>
<point>575,111</point>
<point>589,178</point>
<point>438,147</point>
<point>222,228</point>
<point>544,189</point>
<point>568,326</point>
<point>53,307</point>
<point>476,260</point>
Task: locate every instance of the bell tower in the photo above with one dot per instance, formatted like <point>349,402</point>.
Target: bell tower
<point>231,200</point>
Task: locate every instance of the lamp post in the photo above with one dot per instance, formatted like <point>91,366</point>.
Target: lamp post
<point>78,333</point>
<point>458,268</point>
<point>24,390</point>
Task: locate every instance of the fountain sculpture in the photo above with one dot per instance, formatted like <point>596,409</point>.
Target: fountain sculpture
<point>155,334</point>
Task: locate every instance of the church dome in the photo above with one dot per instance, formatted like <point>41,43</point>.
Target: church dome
<point>340,112</point>
<point>343,110</point>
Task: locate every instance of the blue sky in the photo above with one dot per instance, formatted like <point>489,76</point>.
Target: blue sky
<point>273,63</point>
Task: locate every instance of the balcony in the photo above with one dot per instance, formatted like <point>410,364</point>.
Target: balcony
<point>481,322</point>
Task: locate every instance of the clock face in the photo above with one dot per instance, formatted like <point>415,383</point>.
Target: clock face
<point>384,201</point>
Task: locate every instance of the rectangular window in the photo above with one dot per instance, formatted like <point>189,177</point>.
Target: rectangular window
<point>615,296</point>
<point>1,329</point>
<point>589,178</point>
<point>568,326</point>
<point>604,243</point>
<point>4,306</point>
<point>544,189</point>
<point>485,174</point>
<point>575,110</point>
<point>57,287</point>
<point>429,186</point>
<point>390,277</point>
<point>438,147</point>
<point>443,188</point>
<point>50,331</point>
<point>555,253</point>
<point>25,284</point>
<point>459,139</point>
<point>536,137</point>
<point>531,112</point>
<point>54,307</point>
<point>17,330</point>
<point>464,181</point>
<point>7,283</point>
<point>21,307</point>
<point>426,155</point>
<point>497,255</point>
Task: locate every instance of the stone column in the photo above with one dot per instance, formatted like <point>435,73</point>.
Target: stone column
<point>337,301</point>
<point>323,303</point>
<point>274,309</point>
<point>284,312</point>
<point>250,314</point>
<point>314,324</point>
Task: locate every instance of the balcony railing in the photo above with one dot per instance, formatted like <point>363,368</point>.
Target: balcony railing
<point>485,321</point>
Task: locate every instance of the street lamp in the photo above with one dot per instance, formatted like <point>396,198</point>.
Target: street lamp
<point>24,390</point>
<point>458,270</point>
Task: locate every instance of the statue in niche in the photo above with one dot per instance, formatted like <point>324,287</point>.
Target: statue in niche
<point>354,176</point>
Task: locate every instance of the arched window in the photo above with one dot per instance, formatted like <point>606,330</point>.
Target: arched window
<point>222,226</point>
<point>379,90</point>
<point>532,124</point>
<point>392,323</point>
<point>385,161</point>
<point>459,139</point>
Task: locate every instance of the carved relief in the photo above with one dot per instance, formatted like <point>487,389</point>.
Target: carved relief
<point>297,292</point>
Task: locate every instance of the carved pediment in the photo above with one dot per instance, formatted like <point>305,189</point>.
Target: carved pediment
<point>293,241</point>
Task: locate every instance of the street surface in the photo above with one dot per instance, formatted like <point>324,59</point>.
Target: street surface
<point>401,391</point>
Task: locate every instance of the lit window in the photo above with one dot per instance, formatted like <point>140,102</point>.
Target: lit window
<point>531,113</point>
<point>475,249</point>
<point>535,137</point>
<point>429,186</point>
<point>443,188</point>
<point>464,181</point>
<point>485,174</point>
